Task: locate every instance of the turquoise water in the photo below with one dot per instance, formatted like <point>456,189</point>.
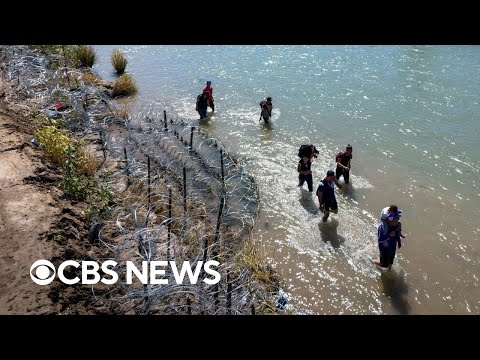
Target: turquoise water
<point>411,114</point>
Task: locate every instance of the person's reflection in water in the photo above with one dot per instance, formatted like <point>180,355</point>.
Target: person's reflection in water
<point>308,202</point>
<point>267,132</point>
<point>349,191</point>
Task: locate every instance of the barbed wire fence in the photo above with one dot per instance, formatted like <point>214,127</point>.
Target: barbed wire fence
<point>184,198</point>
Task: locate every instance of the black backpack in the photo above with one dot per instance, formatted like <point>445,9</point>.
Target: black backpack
<point>202,101</point>
<point>306,150</point>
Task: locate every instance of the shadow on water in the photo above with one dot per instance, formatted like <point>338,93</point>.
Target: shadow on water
<point>348,190</point>
<point>396,289</point>
<point>328,231</point>
<point>307,200</point>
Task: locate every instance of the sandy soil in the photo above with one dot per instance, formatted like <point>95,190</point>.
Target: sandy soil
<point>26,213</point>
<point>35,223</point>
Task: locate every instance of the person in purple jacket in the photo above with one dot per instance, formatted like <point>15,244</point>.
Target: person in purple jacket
<point>387,242</point>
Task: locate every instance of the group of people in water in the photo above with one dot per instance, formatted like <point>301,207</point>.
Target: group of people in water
<point>325,191</point>
<point>205,100</point>
<point>389,231</point>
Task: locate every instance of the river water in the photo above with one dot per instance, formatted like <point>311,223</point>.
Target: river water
<point>411,114</point>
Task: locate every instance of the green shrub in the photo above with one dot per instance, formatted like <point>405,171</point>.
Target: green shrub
<point>124,86</point>
<point>78,164</point>
<point>76,185</point>
<point>119,61</point>
<point>100,199</point>
<point>54,141</point>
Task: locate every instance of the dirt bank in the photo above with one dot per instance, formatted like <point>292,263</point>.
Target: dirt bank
<point>27,213</point>
<point>36,222</point>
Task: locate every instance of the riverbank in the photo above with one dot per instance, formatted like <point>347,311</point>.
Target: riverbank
<point>47,222</point>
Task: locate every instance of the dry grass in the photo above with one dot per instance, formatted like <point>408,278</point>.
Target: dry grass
<point>88,163</point>
<point>119,61</point>
<point>261,273</point>
<point>124,86</point>
<point>85,56</point>
<point>264,278</point>
<point>91,78</point>
<point>122,113</point>
<point>65,54</point>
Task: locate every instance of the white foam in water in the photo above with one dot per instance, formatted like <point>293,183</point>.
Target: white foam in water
<point>465,163</point>
<point>359,182</point>
<point>250,115</point>
<point>185,108</point>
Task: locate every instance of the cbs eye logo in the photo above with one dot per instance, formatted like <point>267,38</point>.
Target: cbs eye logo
<point>42,269</point>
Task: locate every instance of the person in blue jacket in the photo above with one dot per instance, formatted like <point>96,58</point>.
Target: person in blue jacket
<point>326,194</point>
<point>388,241</point>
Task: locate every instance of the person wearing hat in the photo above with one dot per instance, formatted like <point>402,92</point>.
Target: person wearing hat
<point>326,194</point>
<point>266,106</point>
<point>389,237</point>
<point>389,213</point>
<point>209,90</point>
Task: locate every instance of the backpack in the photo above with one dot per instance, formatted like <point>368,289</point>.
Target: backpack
<point>338,156</point>
<point>306,150</point>
<point>201,101</point>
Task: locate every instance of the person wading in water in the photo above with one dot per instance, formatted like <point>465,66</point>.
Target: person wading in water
<point>209,90</point>
<point>266,106</point>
